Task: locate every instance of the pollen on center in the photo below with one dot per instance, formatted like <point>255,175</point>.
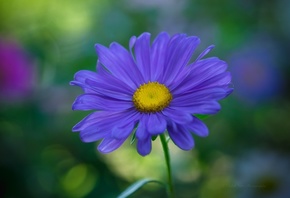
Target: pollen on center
<point>151,97</point>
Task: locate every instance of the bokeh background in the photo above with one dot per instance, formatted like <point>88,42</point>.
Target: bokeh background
<point>42,45</point>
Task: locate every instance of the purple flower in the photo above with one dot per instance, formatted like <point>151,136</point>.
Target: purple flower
<point>149,90</point>
<point>16,71</point>
<point>257,78</point>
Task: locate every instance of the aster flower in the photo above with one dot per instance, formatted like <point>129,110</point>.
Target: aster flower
<point>149,90</point>
<point>16,71</point>
<point>257,78</point>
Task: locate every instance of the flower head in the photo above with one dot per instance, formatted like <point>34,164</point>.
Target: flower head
<point>257,78</point>
<point>152,89</point>
<point>16,71</point>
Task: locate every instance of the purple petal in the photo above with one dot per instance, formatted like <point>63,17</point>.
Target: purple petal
<point>86,122</point>
<point>112,90</point>
<point>110,144</point>
<point>93,118</point>
<point>98,125</point>
<point>144,146</point>
<point>80,77</point>
<point>180,51</point>
<point>97,83</point>
<point>84,102</point>
<point>200,72</point>
<point>207,94</point>
<point>179,117</point>
<point>158,53</point>
<point>142,132</point>
<point>113,64</point>
<point>198,127</point>
<point>132,42</point>
<point>126,59</point>
<point>122,132</point>
<point>95,102</point>
<point>142,54</point>
<point>156,124</point>
<point>223,79</point>
<point>125,126</point>
<point>91,134</point>
<point>116,125</point>
<point>101,70</point>
<point>181,137</point>
<point>172,47</point>
<point>205,52</point>
<point>206,107</point>
<point>210,66</point>
<point>102,120</point>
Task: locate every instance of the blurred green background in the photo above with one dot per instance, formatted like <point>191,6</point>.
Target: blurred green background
<point>42,45</point>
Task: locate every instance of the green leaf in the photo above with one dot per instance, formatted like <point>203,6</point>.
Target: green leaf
<point>133,138</point>
<point>136,186</point>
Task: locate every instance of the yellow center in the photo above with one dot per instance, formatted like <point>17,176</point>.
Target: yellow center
<point>151,97</point>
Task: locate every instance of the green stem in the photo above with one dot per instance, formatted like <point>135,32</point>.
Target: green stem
<point>167,159</point>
